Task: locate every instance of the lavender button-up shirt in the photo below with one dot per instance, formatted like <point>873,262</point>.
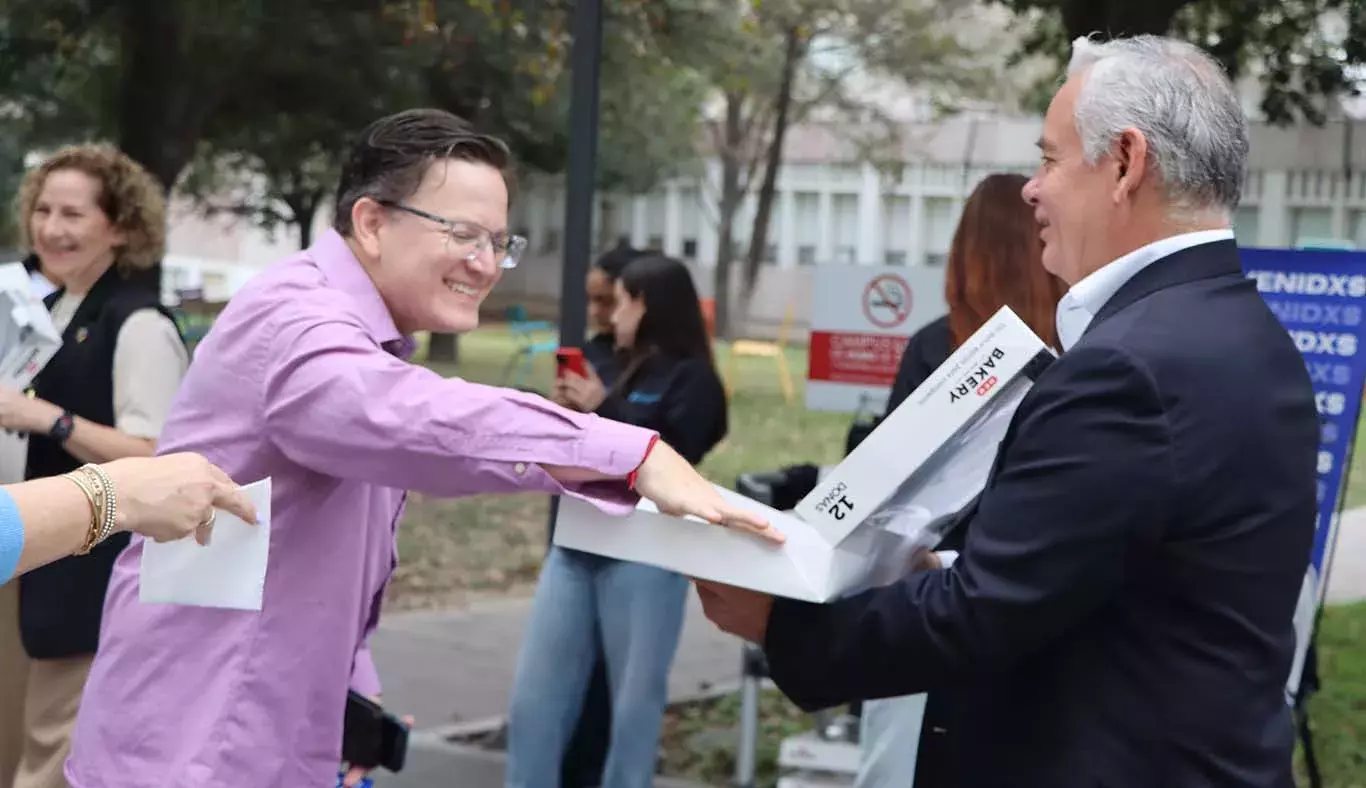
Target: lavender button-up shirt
<point>299,380</point>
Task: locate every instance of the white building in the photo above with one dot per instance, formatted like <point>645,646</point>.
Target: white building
<point>1305,184</point>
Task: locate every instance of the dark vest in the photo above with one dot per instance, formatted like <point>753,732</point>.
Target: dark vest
<point>60,604</point>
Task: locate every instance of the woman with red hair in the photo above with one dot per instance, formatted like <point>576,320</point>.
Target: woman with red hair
<point>994,262</point>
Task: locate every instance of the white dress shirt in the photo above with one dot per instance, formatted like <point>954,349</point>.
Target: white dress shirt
<point>1084,300</point>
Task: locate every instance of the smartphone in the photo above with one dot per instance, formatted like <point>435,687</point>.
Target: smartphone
<point>371,736</point>
<point>570,358</point>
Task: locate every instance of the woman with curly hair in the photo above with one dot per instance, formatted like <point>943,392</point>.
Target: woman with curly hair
<point>96,221</point>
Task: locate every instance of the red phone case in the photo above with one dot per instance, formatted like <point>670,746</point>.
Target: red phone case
<point>571,358</point>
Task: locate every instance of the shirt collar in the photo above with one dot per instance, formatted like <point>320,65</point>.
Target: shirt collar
<point>1083,300</point>
<point>344,272</point>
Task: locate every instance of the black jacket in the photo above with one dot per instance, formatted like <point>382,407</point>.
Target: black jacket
<point>681,399</point>
<point>1121,612</point>
<point>927,348</point>
<point>60,604</point>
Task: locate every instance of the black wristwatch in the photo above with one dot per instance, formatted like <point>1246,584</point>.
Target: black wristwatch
<point>61,428</point>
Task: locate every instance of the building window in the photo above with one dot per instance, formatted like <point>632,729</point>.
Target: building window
<point>894,257</point>
<point>550,242</point>
<point>771,254</point>
<point>845,254</point>
<point>806,254</point>
<point>934,258</point>
<point>690,248</point>
<point>655,244</point>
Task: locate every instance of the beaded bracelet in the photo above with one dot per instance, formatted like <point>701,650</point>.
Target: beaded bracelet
<point>99,491</point>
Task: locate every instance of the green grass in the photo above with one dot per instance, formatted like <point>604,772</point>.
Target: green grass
<point>1338,713</point>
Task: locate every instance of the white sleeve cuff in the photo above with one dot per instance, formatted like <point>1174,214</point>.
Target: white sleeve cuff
<point>946,557</point>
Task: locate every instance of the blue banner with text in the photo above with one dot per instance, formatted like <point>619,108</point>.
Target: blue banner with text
<point>1320,298</point>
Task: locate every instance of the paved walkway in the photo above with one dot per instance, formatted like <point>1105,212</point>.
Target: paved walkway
<point>453,670</point>
<point>1347,573</point>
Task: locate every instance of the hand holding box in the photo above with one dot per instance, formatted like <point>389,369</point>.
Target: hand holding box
<point>894,494</point>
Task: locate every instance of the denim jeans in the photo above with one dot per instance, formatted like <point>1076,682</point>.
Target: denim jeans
<point>638,610</point>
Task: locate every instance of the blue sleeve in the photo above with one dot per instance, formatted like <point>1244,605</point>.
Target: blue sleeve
<point>11,536</point>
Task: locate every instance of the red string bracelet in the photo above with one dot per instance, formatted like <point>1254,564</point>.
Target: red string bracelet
<point>631,477</point>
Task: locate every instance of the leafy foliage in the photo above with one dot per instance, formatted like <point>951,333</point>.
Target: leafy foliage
<point>850,66</point>
<point>1306,53</point>
<point>251,102</point>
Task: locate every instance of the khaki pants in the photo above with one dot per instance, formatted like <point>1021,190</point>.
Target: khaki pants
<point>38,704</point>
<point>13,683</point>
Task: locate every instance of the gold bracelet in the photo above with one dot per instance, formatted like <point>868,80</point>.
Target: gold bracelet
<point>92,535</point>
<point>110,515</point>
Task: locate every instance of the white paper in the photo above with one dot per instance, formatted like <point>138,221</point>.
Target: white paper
<point>230,572</point>
<point>28,338</point>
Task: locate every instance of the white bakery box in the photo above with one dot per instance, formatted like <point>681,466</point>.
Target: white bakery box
<point>857,529</point>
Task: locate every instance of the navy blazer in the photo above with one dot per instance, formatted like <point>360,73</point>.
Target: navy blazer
<point>1120,614</point>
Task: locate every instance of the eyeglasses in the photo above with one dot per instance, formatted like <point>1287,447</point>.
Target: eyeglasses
<point>468,238</point>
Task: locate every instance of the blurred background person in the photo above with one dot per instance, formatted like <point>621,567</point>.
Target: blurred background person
<point>667,382</point>
<point>94,219</point>
<point>601,284</point>
<point>586,754</point>
<point>994,261</point>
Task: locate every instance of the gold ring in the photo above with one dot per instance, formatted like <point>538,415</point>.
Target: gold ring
<point>209,522</point>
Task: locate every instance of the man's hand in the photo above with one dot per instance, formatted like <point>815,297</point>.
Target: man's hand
<point>679,490</point>
<point>925,560</point>
<point>357,774</point>
<point>738,611</point>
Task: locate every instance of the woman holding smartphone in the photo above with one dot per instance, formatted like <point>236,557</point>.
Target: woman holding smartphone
<point>667,381</point>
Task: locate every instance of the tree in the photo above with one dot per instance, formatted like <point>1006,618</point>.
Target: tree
<point>143,74</point>
<point>273,156</point>
<point>787,62</point>
<point>147,75</point>
<point>1302,68</point>
<point>11,175</point>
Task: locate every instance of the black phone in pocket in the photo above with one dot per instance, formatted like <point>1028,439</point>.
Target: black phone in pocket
<point>372,737</point>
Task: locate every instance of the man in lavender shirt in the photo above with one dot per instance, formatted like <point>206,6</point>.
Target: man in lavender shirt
<point>304,379</point>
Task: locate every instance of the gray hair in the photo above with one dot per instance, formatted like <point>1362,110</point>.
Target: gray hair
<point>1183,103</point>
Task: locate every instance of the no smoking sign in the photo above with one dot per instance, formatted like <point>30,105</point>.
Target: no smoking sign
<point>887,301</point>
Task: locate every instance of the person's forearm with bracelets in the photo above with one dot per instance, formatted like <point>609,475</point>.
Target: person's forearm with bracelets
<point>162,498</point>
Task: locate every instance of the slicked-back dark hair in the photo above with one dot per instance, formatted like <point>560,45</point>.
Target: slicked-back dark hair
<point>392,154</point>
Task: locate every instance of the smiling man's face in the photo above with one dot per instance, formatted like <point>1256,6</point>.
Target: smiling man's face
<point>1073,201</point>
<point>433,277</point>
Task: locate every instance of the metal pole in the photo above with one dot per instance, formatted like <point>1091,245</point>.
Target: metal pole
<point>752,671</point>
<point>586,60</point>
<point>580,181</point>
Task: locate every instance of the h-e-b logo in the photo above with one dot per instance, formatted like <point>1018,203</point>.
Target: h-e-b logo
<point>982,380</point>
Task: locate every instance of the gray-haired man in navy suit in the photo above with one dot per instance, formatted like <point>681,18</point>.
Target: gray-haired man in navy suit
<point>1120,614</point>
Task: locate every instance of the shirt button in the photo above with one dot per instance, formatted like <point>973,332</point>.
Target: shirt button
<point>519,468</point>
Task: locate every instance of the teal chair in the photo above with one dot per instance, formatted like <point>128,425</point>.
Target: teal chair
<point>529,345</point>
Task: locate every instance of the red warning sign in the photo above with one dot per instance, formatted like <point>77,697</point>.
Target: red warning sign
<point>887,301</point>
<point>859,359</point>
